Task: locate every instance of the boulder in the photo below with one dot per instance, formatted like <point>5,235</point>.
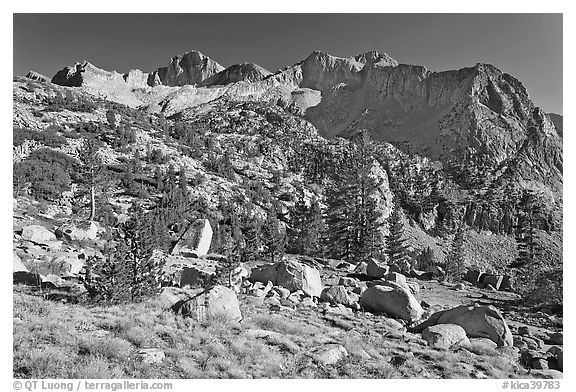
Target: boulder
<point>329,354</point>
<point>349,282</point>
<point>281,291</point>
<point>27,278</point>
<point>395,277</point>
<point>556,338</point>
<point>361,268</point>
<point>336,295</point>
<point>472,276</point>
<point>192,276</point>
<point>492,280</point>
<point>18,265</point>
<point>37,234</point>
<point>218,301</point>
<point>375,269</point>
<point>196,239</point>
<point>445,336</point>
<point>291,275</point>
<point>507,283</point>
<point>394,300</point>
<point>151,355</point>
<point>477,321</point>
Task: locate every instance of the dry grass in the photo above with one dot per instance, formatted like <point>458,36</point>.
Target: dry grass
<point>54,340</point>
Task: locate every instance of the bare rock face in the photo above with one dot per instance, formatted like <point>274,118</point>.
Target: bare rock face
<point>477,321</point>
<point>247,72</point>
<point>190,68</point>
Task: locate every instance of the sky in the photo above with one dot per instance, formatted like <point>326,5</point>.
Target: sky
<point>527,46</point>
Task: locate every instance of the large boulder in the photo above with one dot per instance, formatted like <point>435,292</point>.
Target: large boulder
<point>18,265</point>
<point>37,234</point>
<point>289,274</point>
<point>445,336</point>
<point>394,300</point>
<point>477,321</point>
<point>218,301</point>
<point>472,276</point>
<point>492,280</point>
<point>375,269</point>
<point>196,239</point>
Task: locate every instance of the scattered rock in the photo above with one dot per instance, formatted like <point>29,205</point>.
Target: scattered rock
<point>525,330</point>
<point>329,354</point>
<point>395,301</point>
<point>546,374</point>
<point>348,282</point>
<point>282,292</point>
<point>477,321</point>
<point>151,356</point>
<point>445,336</point>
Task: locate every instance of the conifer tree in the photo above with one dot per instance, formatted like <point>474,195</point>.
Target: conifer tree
<point>395,247</point>
<point>273,238</point>
<point>91,173</point>
<point>128,272</point>
<point>352,216</point>
<point>454,266</point>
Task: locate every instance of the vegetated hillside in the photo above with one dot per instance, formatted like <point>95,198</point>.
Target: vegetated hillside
<point>258,152</point>
<point>119,168</point>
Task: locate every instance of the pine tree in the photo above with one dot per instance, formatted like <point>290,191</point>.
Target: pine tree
<point>352,216</point>
<point>128,272</point>
<point>251,231</point>
<point>91,173</point>
<point>454,266</point>
<point>273,238</point>
<point>395,247</point>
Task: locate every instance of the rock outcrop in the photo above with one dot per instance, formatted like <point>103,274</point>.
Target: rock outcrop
<point>291,275</point>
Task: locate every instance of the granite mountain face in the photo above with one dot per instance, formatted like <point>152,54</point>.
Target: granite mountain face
<point>478,112</point>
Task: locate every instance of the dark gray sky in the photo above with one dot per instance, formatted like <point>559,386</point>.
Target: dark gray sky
<point>528,46</point>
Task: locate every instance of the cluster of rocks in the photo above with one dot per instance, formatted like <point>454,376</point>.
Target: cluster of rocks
<point>539,349</point>
<point>489,281</point>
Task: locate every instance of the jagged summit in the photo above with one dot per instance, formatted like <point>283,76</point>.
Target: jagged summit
<point>189,68</point>
<point>37,76</point>
<point>248,72</point>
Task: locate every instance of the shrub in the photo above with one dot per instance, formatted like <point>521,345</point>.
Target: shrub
<point>48,137</point>
<point>47,172</point>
